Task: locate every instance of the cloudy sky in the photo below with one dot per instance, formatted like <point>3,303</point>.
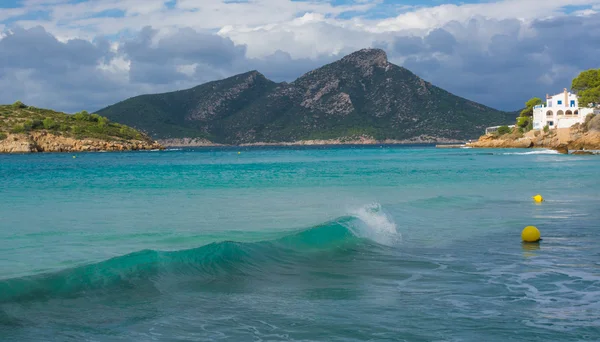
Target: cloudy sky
<point>85,54</point>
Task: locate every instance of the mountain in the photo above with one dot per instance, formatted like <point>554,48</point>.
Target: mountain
<point>361,94</point>
<point>29,129</point>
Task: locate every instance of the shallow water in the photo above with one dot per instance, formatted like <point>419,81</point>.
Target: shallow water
<point>338,244</point>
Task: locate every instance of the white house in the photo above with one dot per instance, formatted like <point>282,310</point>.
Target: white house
<point>560,111</point>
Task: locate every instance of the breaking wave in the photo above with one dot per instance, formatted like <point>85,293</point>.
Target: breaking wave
<point>366,226</point>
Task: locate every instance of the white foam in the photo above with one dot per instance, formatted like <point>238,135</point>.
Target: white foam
<point>375,225</point>
<point>569,297</point>
<point>531,152</point>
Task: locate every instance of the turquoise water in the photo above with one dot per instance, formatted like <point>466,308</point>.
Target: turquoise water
<point>340,244</point>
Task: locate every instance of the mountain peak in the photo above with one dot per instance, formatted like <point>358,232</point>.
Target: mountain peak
<point>367,57</point>
<point>251,75</point>
<point>361,95</point>
<point>254,73</point>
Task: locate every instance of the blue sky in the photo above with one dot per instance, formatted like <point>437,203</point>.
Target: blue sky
<point>381,9</point>
<point>496,52</point>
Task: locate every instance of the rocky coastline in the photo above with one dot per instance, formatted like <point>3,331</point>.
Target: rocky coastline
<point>578,139</point>
<point>362,140</point>
<point>187,142</point>
<point>40,141</point>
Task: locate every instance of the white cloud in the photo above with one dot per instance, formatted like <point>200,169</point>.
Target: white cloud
<point>469,49</point>
<point>427,18</point>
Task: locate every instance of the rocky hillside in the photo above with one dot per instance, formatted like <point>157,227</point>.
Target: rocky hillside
<point>27,129</point>
<point>361,95</point>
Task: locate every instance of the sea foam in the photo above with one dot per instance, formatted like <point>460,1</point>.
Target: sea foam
<point>374,224</point>
<point>532,152</point>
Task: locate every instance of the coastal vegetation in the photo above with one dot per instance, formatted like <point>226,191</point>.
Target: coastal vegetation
<point>25,129</point>
<point>504,130</point>
<point>528,111</point>
<point>525,120</point>
<point>19,118</point>
<point>587,87</point>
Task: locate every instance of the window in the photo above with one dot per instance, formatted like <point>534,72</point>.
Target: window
<point>550,103</point>
<point>572,103</point>
<point>549,113</point>
<point>569,112</point>
<point>559,102</point>
<point>576,112</point>
<point>550,123</point>
<point>560,112</point>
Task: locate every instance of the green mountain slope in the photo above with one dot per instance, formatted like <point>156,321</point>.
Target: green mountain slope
<point>361,94</point>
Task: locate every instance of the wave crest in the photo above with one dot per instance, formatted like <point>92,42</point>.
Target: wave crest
<point>208,262</point>
<point>375,225</point>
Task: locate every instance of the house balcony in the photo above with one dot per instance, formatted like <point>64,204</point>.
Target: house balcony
<point>560,106</point>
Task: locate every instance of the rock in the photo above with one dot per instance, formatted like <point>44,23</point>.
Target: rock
<point>583,152</point>
<point>41,141</point>
<point>489,141</point>
<point>594,123</point>
<point>578,137</point>
<point>562,148</point>
<point>588,141</point>
<point>17,143</point>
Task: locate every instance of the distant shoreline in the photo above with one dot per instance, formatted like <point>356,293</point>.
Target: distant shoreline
<point>187,142</point>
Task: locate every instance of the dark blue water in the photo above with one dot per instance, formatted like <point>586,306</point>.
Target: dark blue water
<point>341,244</point>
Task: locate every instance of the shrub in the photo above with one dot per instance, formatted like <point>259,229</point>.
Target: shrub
<point>503,130</point>
<point>126,132</point>
<point>546,129</point>
<point>28,125</point>
<point>18,129</point>
<point>95,129</point>
<point>523,121</point>
<point>49,123</point>
<point>19,104</point>
<point>83,116</point>
<point>102,121</point>
<point>64,127</point>
<point>2,136</point>
<point>76,129</point>
<point>37,124</point>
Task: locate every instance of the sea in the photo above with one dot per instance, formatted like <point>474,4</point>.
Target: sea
<point>344,243</point>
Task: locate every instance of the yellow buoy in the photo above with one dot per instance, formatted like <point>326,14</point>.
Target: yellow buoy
<point>530,234</point>
<point>239,152</point>
<point>74,157</point>
<point>538,198</point>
